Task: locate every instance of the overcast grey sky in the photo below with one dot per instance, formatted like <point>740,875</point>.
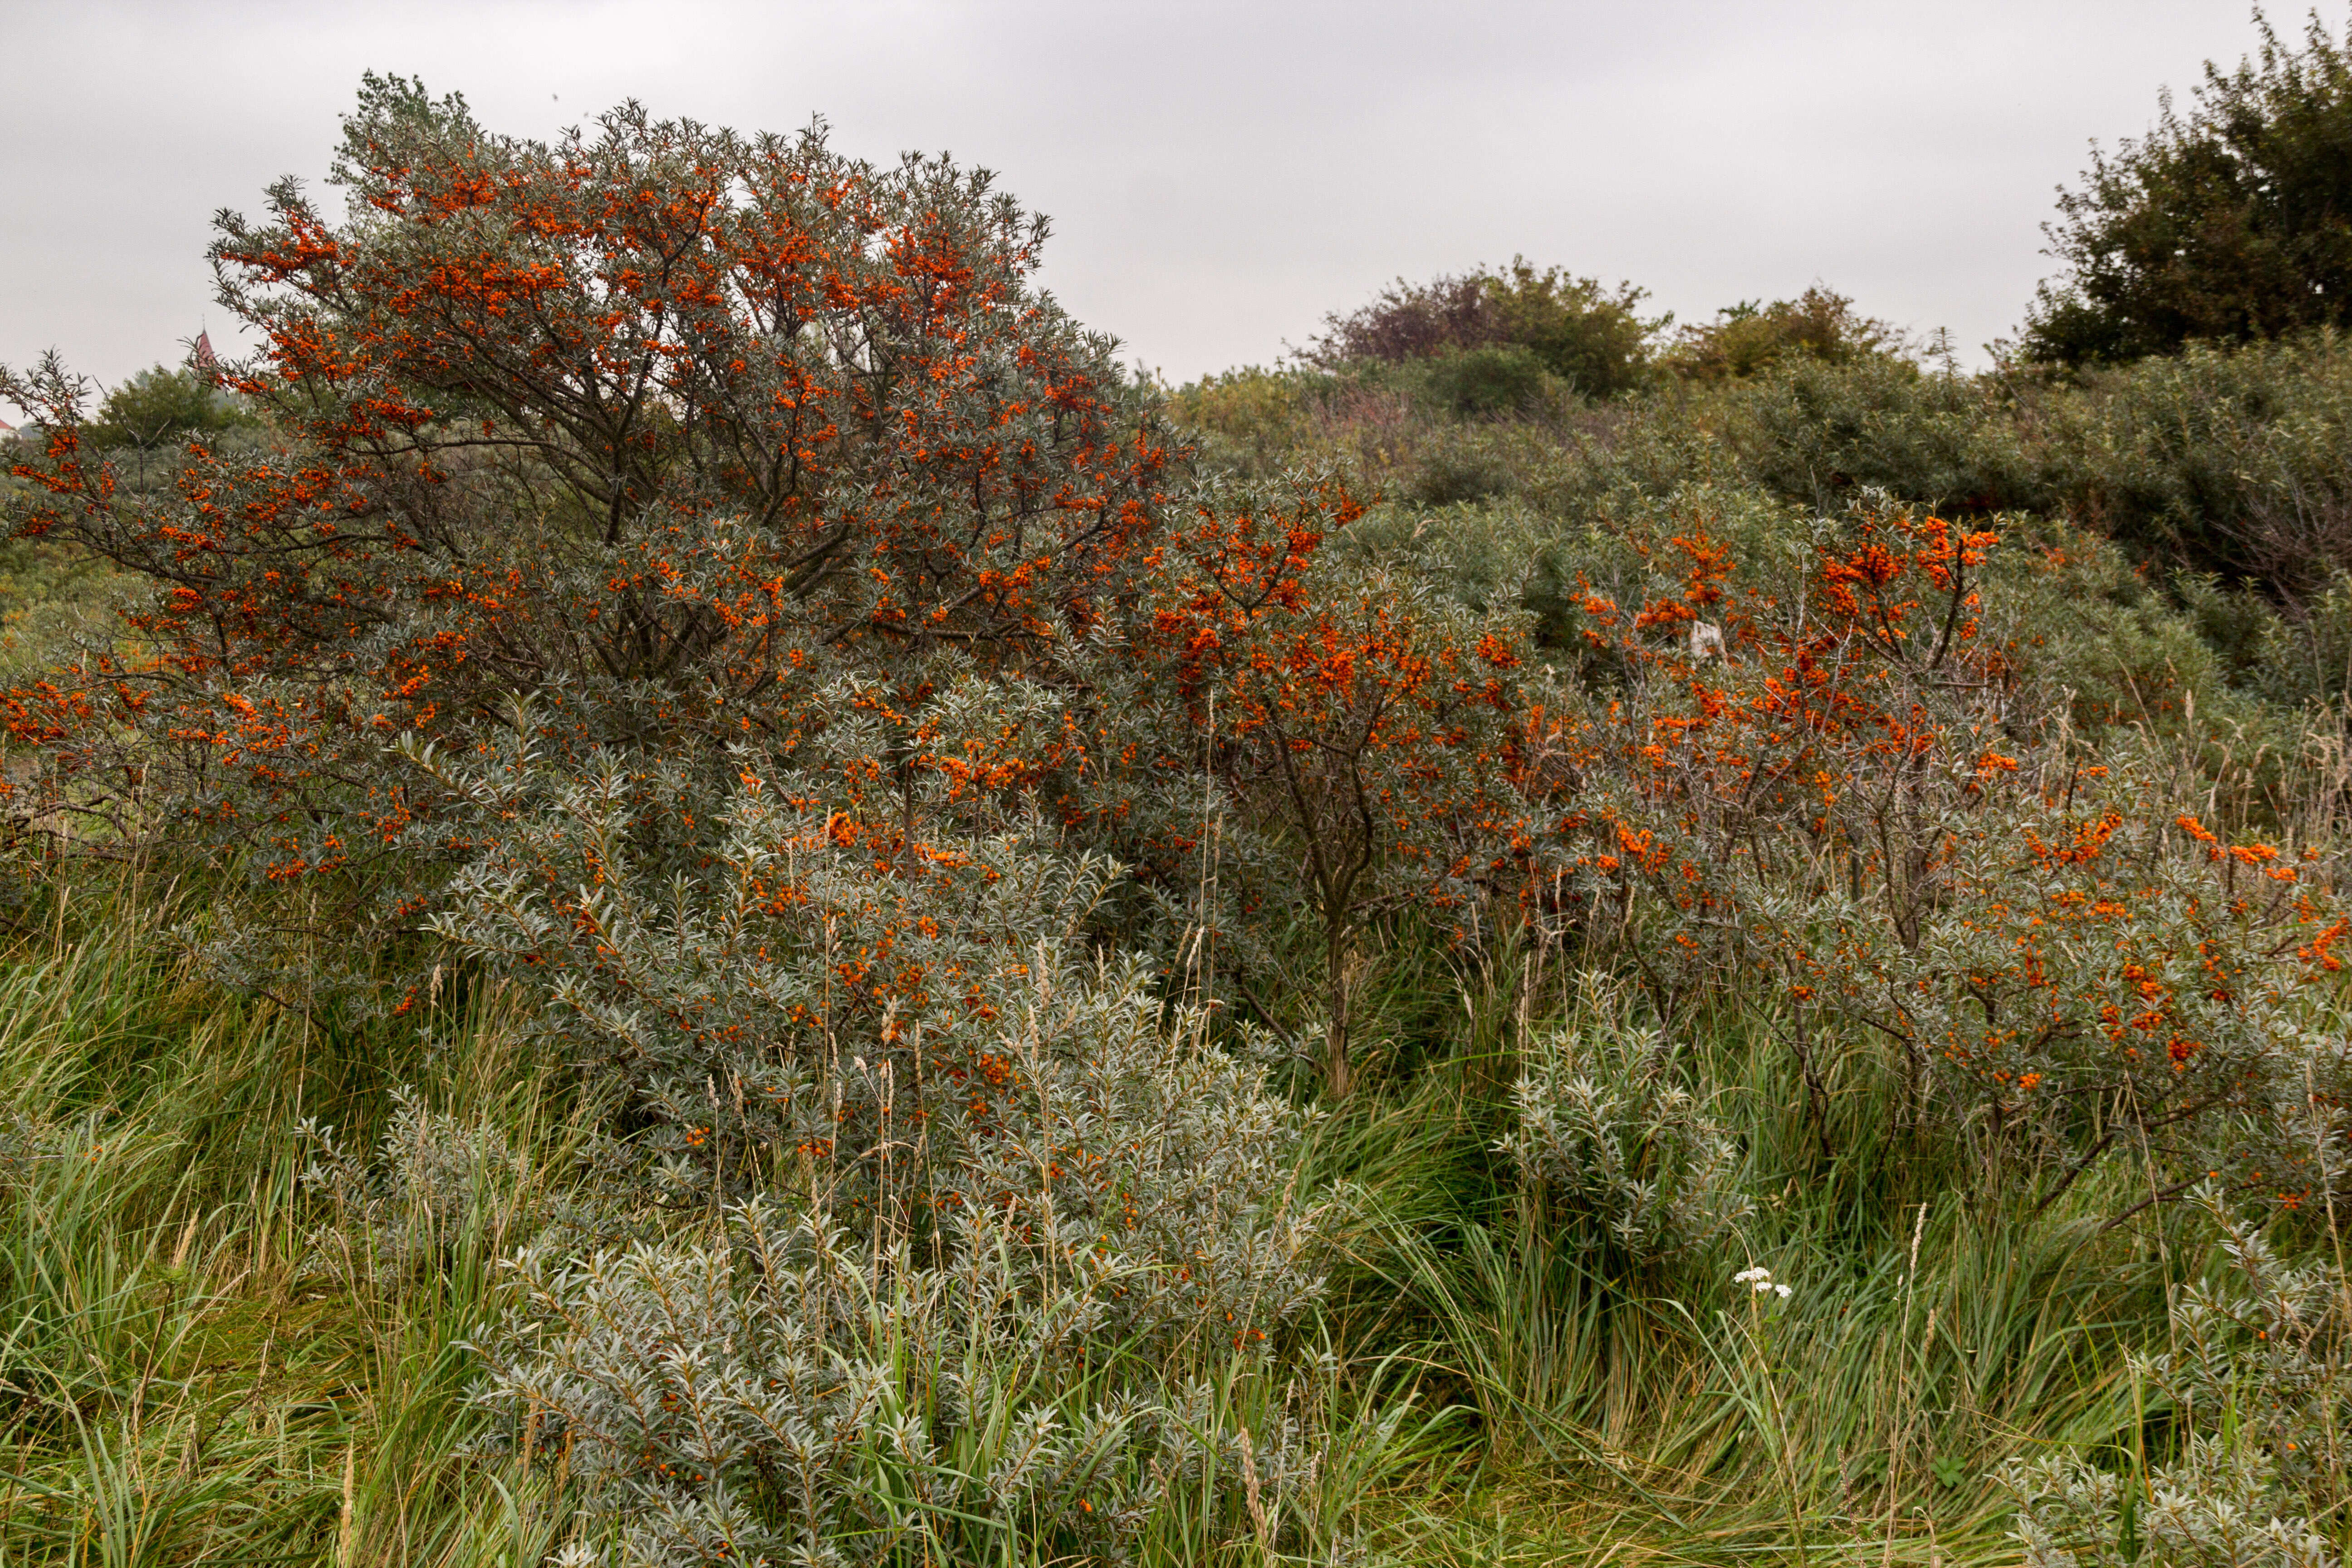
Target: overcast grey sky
<point>1219,174</point>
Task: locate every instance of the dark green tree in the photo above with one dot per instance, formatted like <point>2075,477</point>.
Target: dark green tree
<point>158,406</point>
<point>2227,223</point>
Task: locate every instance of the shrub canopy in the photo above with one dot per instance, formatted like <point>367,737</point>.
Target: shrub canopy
<point>151,408</point>
<point>658,426</point>
<point>2230,222</point>
<point>1819,324</point>
<point>1588,336</point>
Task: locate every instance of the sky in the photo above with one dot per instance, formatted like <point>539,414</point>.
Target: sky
<point>1219,175</point>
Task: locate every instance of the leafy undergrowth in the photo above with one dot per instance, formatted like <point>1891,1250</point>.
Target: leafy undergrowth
<point>184,1381</point>
<point>210,1360</point>
<point>805,924</point>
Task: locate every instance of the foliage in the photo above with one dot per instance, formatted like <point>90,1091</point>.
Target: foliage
<point>660,426</point>
<point>1819,432</point>
<point>1250,422</point>
<point>1410,321</point>
<point>1069,1204</point>
<point>1486,379</point>
<point>702,590</point>
<point>289,1416</point>
<point>175,1381</point>
<point>2229,462</point>
<point>1588,336</point>
<point>1369,722</point>
<point>782,1392</point>
<point>2309,663</point>
<point>1607,1134</point>
<point>2226,224</point>
<point>434,1179</point>
<point>2225,462</point>
<point>148,411</point>
<point>55,598</point>
<point>1819,324</point>
<point>1865,795</point>
<point>2254,1387</point>
<point>844,817</point>
<point>1577,329</point>
<point>900,1045</point>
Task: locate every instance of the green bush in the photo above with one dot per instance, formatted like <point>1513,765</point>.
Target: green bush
<point>1819,324</point>
<point>1615,1151</point>
<point>160,406</point>
<point>1589,336</point>
<point>1485,381</point>
<point>1817,430</point>
<point>2227,461</point>
<point>2230,223</point>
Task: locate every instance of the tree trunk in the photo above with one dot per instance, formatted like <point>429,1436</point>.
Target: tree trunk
<point>1338,1073</point>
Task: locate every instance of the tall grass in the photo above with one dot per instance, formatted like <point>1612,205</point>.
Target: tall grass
<point>201,1362</point>
<point>179,1382</point>
<point>1619,1409</point>
<point>208,1357</point>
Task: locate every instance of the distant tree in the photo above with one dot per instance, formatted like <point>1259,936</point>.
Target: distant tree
<point>1409,320</point>
<point>1588,336</point>
<point>1583,332</point>
<point>158,411</point>
<point>2230,223</point>
<point>156,407</point>
<point>1743,338</point>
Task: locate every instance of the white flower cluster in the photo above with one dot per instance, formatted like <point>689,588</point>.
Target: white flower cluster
<point>1760,1281</point>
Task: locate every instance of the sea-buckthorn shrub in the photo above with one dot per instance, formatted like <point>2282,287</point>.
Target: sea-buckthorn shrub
<point>1607,1134</point>
<point>2254,1390</point>
<point>1858,786</point>
<point>999,1206</point>
<point>2072,979</point>
<point>698,584</point>
<point>434,1182</point>
<point>1366,725</point>
<point>777,1391</point>
<point>885,999</point>
<point>661,428</point>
